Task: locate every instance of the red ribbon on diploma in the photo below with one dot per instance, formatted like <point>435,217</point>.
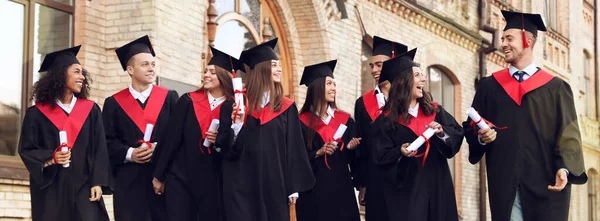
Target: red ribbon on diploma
<point>426,153</point>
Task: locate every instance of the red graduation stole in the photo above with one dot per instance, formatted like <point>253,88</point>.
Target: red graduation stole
<point>417,126</point>
<point>371,104</point>
<point>326,131</point>
<point>517,90</point>
<point>140,116</point>
<point>266,115</point>
<point>204,115</point>
<point>72,123</point>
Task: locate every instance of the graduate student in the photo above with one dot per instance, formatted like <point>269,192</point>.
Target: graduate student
<point>366,109</point>
<point>535,155</point>
<point>63,145</point>
<point>190,170</point>
<point>417,184</point>
<point>332,197</point>
<point>267,165</point>
<point>126,115</point>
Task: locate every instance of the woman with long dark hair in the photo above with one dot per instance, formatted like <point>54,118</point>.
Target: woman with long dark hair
<point>418,184</point>
<point>266,165</point>
<point>189,170</point>
<point>332,197</point>
<point>63,144</point>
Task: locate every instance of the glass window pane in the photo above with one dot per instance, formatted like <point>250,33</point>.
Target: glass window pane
<point>224,6</point>
<point>435,85</point>
<point>12,21</point>
<point>52,32</point>
<point>448,94</point>
<point>180,87</point>
<point>233,37</point>
<point>251,10</point>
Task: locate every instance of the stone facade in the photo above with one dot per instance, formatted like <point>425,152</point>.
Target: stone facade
<point>447,34</point>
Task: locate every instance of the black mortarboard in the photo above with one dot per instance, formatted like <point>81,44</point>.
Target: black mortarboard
<point>388,48</point>
<point>60,58</point>
<point>140,45</point>
<point>259,53</point>
<point>523,21</point>
<point>316,71</point>
<point>224,60</point>
<point>391,68</point>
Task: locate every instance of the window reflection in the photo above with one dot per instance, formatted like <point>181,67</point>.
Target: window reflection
<point>224,6</point>
<point>233,37</point>
<point>52,32</point>
<point>12,21</point>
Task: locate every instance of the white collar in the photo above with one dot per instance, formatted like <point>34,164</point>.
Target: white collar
<point>529,70</point>
<point>414,111</point>
<point>266,98</point>
<point>69,108</point>
<point>330,115</point>
<point>140,96</point>
<point>214,102</point>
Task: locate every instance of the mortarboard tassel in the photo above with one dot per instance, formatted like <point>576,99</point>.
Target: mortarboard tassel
<point>525,44</point>
<point>393,45</point>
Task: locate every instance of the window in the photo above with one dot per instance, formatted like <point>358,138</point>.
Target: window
<point>593,195</point>
<point>24,45</point>
<point>586,84</point>
<point>442,90</point>
<point>180,87</point>
<point>247,23</point>
<point>367,82</point>
<point>551,11</point>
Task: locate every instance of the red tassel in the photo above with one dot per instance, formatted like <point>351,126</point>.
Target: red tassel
<point>525,44</point>
<point>393,46</point>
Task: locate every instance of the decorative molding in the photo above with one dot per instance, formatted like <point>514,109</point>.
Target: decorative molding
<point>497,58</point>
<point>503,5</point>
<point>558,38</point>
<point>447,30</point>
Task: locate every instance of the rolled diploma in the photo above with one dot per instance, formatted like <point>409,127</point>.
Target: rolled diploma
<point>147,134</point>
<point>420,140</point>
<point>214,125</point>
<point>380,99</point>
<point>62,135</point>
<point>472,113</point>
<point>239,98</point>
<point>339,133</point>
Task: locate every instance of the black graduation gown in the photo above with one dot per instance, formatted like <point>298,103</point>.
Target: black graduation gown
<point>134,197</point>
<point>265,165</point>
<point>192,175</point>
<point>542,136</point>
<point>58,193</point>
<point>366,173</point>
<point>332,197</point>
<point>412,191</point>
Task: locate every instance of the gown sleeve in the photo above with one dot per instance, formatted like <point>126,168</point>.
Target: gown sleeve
<point>451,128</point>
<point>100,165</point>
<point>173,139</point>
<point>33,153</point>
<point>568,152</point>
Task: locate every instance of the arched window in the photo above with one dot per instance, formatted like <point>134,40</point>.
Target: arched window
<point>246,23</point>
<point>441,88</point>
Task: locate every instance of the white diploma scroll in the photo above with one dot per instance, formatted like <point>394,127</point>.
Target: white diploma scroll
<point>214,125</point>
<point>380,99</point>
<point>147,134</point>
<point>420,140</point>
<point>62,135</point>
<point>472,113</point>
<point>339,133</point>
<point>239,97</point>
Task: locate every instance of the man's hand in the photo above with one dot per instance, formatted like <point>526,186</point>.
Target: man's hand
<point>142,155</point>
<point>561,181</point>
<point>211,136</point>
<point>487,135</point>
<point>159,187</point>
<point>96,193</point>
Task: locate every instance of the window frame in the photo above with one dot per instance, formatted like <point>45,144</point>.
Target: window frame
<point>12,167</point>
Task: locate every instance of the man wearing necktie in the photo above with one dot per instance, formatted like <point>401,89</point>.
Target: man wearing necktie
<point>535,155</point>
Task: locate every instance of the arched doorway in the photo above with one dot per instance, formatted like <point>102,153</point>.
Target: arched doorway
<point>241,24</point>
